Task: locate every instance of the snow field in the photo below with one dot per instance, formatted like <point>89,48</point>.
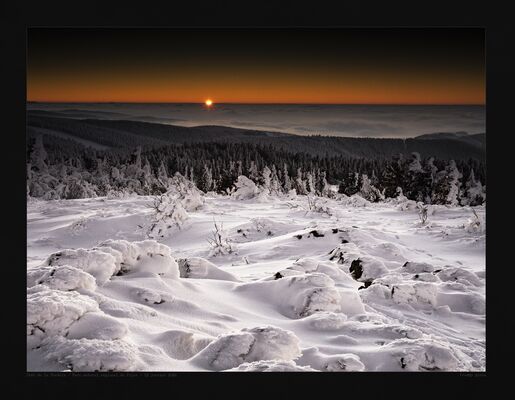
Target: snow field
<point>368,288</point>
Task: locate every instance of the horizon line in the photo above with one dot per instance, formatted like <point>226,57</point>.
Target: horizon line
<point>256,103</point>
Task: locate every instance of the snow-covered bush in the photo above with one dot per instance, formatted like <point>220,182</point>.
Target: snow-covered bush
<point>422,212</point>
<point>245,189</point>
<point>186,192</point>
<point>354,201</point>
<point>168,212</point>
<point>317,205</point>
<point>219,242</point>
<point>476,224</point>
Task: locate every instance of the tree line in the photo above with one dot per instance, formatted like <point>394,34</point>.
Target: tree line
<point>63,169</point>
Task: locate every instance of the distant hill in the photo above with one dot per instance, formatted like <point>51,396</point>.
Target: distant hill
<point>478,139</point>
<point>123,133</point>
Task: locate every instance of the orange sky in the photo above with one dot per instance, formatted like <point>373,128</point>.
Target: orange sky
<point>73,73</point>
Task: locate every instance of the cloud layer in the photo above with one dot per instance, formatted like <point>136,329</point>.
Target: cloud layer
<point>335,120</point>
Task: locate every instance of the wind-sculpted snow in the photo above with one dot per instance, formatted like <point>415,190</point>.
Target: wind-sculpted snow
<point>331,363</point>
<point>362,287</point>
<point>298,296</point>
<point>51,312</point>
<point>200,268</point>
<point>271,366</point>
<point>61,278</point>
<point>260,343</point>
<point>93,354</point>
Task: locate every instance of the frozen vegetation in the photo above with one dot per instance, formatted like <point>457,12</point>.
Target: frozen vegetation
<point>258,279</point>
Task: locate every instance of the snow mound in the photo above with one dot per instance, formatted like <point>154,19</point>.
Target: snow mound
<point>261,343</point>
<point>407,205</point>
<point>62,278</point>
<point>469,302</point>
<point>308,265</point>
<point>379,330</point>
<point>325,321</point>
<point>51,312</point>
<point>118,257</point>
<point>417,267</point>
<point>95,262</point>
<point>419,293</point>
<point>343,252</point>
<point>355,201</point>
<point>200,268</point>
<point>312,357</point>
<point>261,228</point>
<point>93,355</point>
<point>145,256</point>
<point>97,325</point>
<point>422,355</point>
<point>366,269</point>
<point>181,345</point>
<point>193,201</point>
<point>271,366</point>
<point>298,296</point>
<point>459,275</point>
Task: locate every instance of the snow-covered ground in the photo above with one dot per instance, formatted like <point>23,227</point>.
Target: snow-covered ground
<point>368,288</point>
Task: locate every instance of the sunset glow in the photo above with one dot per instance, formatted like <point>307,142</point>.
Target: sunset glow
<point>346,66</point>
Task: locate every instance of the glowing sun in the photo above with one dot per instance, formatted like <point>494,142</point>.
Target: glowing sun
<point>209,102</point>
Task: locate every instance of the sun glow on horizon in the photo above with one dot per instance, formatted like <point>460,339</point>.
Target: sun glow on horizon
<point>209,102</point>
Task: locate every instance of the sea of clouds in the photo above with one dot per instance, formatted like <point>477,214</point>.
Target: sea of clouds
<point>301,119</point>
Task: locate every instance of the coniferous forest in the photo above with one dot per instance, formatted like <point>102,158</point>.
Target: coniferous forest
<point>60,168</point>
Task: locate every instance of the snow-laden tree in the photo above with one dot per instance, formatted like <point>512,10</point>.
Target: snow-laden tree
<point>253,172</point>
<point>300,184</point>
<point>351,184</point>
<point>392,176</point>
<point>447,185</point>
<point>162,174</point>
<point>186,192</point>
<point>418,180</point>
<point>310,183</point>
<point>473,194</point>
<point>38,156</point>
<point>323,188</point>
<point>206,180</point>
<point>287,186</point>
<point>266,179</point>
<point>275,184</point>
<point>77,188</point>
<point>368,191</point>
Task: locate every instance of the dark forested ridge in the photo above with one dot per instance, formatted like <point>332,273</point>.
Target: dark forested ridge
<point>62,167</point>
<point>123,134</point>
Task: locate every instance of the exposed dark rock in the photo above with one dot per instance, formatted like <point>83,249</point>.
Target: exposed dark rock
<point>315,233</point>
<point>356,269</point>
<point>366,284</point>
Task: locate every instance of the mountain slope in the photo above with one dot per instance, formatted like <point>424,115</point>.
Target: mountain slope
<point>123,133</point>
